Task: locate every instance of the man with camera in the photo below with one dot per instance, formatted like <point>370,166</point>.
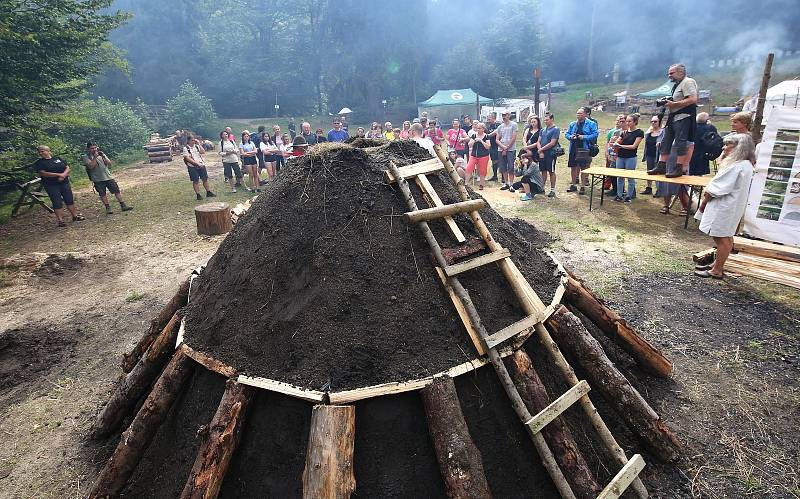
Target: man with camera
<point>97,164</point>
<point>582,134</point>
<point>680,127</point>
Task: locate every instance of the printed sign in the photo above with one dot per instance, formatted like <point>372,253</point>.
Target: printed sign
<point>456,96</point>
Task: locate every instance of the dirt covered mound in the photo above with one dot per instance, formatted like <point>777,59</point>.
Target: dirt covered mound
<point>322,285</point>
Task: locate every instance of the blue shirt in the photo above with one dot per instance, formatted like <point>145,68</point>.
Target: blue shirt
<point>590,132</point>
<point>546,136</point>
<point>337,136</point>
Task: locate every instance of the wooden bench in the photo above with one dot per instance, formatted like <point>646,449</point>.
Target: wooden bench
<point>599,174</point>
<point>30,194</point>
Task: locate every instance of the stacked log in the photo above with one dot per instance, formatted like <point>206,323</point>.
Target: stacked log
<point>159,150</point>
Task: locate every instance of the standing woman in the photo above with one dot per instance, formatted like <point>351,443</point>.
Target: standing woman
<point>230,160</point>
<point>725,200</point>
<point>404,133</point>
<point>277,139</point>
<point>650,149</point>
<point>528,128</point>
<point>626,146</point>
<point>54,172</point>
<point>455,139</point>
<point>531,143</point>
<point>248,152</point>
<point>479,154</point>
<point>270,151</point>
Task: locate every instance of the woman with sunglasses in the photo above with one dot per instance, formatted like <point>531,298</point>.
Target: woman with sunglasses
<point>651,150</point>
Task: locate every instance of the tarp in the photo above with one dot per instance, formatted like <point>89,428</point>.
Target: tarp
<point>662,91</point>
<point>453,97</point>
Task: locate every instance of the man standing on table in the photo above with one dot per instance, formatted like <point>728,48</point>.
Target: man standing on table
<point>507,148</point>
<point>680,127</point>
<point>97,164</point>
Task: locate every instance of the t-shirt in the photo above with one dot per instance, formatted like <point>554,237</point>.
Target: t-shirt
<point>436,136</point>
<point>100,172</point>
<point>337,135</point>
<point>628,138</point>
<point>546,136</point>
<point>311,138</point>
<point>683,89</point>
<point>194,153</point>
<point>229,151</point>
<point>247,147</point>
<point>491,127</point>
<point>52,165</point>
<point>506,132</point>
<point>453,138</point>
<point>478,149</point>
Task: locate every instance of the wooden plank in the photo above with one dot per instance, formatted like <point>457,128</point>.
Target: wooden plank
<point>776,277</point>
<point>438,212</point>
<point>512,330</point>
<point>427,166</point>
<point>559,405</point>
<point>208,362</point>
<point>462,313</point>
<point>479,261</point>
<point>766,263</point>
<point>623,479</point>
<point>434,200</point>
<point>181,332</point>
<point>281,387</point>
<point>691,180</point>
<point>767,249</point>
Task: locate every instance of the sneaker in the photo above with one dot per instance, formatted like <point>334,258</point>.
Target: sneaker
<point>618,199</point>
<point>526,197</point>
<point>210,194</point>
<point>647,190</point>
<point>62,223</point>
<point>511,188</point>
<point>199,197</point>
<point>552,193</point>
<point>233,190</point>
<point>258,190</point>
<point>238,183</point>
<point>125,207</point>
<point>78,218</point>
<point>504,187</point>
<point>493,179</point>
<point>582,190</point>
<point>572,188</point>
<point>628,200</point>
<point>109,211</point>
<point>249,189</point>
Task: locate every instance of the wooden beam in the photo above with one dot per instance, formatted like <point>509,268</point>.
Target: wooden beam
<point>764,248</point>
<point>462,313</point>
<point>208,362</point>
<point>619,484</point>
<point>281,387</point>
<point>421,168</point>
<point>478,261</point>
<point>434,200</point>
<point>427,214</point>
<point>559,405</point>
<point>512,330</point>
<point>328,473</point>
<point>762,98</point>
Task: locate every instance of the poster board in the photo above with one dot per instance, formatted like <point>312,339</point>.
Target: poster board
<point>773,205</point>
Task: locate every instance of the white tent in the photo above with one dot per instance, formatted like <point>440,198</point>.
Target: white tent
<point>520,109</point>
<point>785,93</point>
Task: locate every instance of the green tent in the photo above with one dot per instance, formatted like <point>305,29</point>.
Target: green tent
<point>450,104</point>
<point>662,91</point>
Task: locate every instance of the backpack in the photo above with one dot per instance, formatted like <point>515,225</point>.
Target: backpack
<point>713,143</point>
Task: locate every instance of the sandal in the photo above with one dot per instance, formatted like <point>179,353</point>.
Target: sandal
<point>707,273</point>
<point>78,218</point>
<point>480,187</point>
<point>704,267</point>
<point>684,213</point>
<point>664,210</point>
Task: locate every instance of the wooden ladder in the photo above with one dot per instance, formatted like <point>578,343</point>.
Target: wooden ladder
<point>533,306</point>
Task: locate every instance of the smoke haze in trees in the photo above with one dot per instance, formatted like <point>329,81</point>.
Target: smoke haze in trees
<point>318,56</point>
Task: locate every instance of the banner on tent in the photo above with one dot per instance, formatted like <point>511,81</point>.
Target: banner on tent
<point>773,206</point>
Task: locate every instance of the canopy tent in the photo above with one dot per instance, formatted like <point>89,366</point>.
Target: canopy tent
<point>661,91</point>
<point>450,104</point>
<point>785,93</point>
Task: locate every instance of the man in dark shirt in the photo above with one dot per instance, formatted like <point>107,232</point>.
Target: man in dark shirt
<point>307,134</point>
<point>292,128</point>
<point>54,172</point>
<point>698,165</point>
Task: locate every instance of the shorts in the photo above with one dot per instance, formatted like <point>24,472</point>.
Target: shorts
<point>60,194</point>
<point>507,162</point>
<point>111,185</point>
<point>579,157</point>
<point>197,173</point>
<point>494,154</point>
<point>678,133</point>
<point>271,158</point>
<point>249,160</point>
<point>230,169</point>
<point>482,164</point>
<point>547,164</point>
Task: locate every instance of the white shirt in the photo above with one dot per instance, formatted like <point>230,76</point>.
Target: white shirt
<point>729,188</point>
<point>194,153</point>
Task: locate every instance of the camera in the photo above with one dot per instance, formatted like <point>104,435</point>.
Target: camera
<point>663,101</point>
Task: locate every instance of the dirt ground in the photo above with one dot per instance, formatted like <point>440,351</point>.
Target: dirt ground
<point>65,320</point>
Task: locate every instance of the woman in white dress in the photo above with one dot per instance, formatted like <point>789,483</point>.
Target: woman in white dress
<point>725,200</point>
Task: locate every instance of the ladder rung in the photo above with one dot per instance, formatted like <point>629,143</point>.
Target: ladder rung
<point>458,268</point>
<point>558,406</point>
<point>623,479</point>
<point>427,189</point>
<point>428,166</point>
<point>512,330</point>
<point>444,211</point>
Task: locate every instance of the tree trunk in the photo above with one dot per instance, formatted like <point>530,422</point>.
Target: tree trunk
<point>135,383</point>
<point>156,325</point>
<point>220,441</point>
<point>459,459</point>
<point>573,338</point>
<point>609,321</point>
<point>329,460</point>
<point>132,444</point>
<point>213,218</point>
<point>557,434</point>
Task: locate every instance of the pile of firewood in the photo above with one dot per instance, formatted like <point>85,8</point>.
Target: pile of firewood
<point>160,150</point>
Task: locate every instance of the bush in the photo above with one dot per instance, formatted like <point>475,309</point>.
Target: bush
<point>119,129</point>
<point>190,110</point>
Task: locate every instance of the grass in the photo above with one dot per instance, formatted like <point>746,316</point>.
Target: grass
<point>133,296</point>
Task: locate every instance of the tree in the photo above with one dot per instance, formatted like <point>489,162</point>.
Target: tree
<point>191,110</point>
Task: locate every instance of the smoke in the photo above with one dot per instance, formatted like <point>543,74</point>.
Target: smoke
<point>752,46</point>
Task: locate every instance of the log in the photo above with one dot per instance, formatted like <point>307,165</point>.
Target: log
<point>609,321</point>
<point>557,433</point>
<point>135,440</point>
<point>704,257</point>
<point>158,148</point>
<point>328,473</point>
<point>157,324</point>
<point>135,384</point>
<point>213,218</point>
<point>469,248</point>
<point>573,338</point>
<point>155,155</point>
<point>424,215</point>
<point>220,440</point>
<point>458,456</point>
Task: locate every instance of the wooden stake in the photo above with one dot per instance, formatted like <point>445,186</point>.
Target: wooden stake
<point>417,216</point>
<point>135,384</point>
<point>219,443</point>
<point>329,460</point>
<point>134,441</point>
<point>557,434</point>
<point>458,456</point>
<point>762,98</point>
<point>156,325</point>
<point>609,321</point>
<point>574,339</point>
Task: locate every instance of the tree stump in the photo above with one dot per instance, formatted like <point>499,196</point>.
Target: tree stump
<point>329,460</point>
<point>213,218</point>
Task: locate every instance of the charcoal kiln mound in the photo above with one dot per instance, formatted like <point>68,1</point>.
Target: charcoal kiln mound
<point>331,347</point>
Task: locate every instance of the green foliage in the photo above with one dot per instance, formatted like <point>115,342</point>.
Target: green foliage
<point>191,110</point>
